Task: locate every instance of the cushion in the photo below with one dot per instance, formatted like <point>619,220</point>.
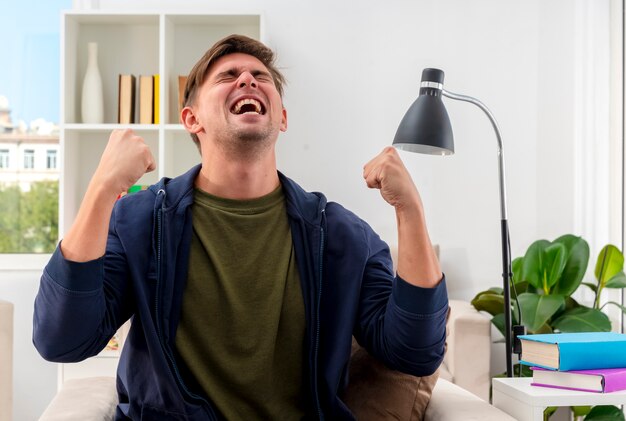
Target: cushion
<point>96,396</point>
<point>376,392</point>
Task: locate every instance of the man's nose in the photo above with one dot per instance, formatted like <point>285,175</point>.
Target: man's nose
<point>246,79</point>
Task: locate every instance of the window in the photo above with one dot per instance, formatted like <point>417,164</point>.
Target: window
<point>4,158</point>
<point>29,159</point>
<point>29,116</point>
<point>51,159</point>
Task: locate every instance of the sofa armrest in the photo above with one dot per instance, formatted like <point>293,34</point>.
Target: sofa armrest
<point>6,361</point>
<point>469,348</point>
<point>449,402</point>
<point>86,399</point>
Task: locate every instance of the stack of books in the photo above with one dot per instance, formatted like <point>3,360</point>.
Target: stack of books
<point>589,361</point>
<point>138,98</point>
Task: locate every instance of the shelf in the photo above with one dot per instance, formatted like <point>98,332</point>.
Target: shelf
<point>100,128</point>
<point>175,128</point>
<point>127,44</point>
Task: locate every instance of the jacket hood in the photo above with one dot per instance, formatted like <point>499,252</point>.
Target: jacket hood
<point>304,205</point>
<point>177,188</point>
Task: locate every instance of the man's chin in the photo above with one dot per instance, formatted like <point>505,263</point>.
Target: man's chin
<point>255,134</point>
<point>249,136</point>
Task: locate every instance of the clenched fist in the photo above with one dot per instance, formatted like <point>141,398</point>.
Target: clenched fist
<point>387,173</point>
<point>124,160</point>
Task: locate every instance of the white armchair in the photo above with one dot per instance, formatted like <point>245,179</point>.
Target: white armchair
<point>462,391</point>
<point>6,361</point>
<point>464,380</point>
<point>467,358</point>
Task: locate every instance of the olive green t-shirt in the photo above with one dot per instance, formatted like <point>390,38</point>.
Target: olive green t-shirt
<point>242,322</point>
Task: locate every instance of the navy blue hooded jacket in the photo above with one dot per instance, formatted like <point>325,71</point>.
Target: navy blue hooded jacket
<point>347,283</point>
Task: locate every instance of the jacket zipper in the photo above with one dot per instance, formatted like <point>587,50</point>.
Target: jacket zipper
<point>320,414</point>
<point>166,351</point>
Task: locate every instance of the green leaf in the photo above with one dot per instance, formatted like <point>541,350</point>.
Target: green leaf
<point>570,303</point>
<point>537,309</point>
<point>582,319</point>
<point>544,329</point>
<point>496,290</point>
<point>519,288</point>
<point>533,263</point>
<point>605,413</point>
<point>549,411</point>
<point>577,259</point>
<point>516,268</point>
<point>580,411</point>
<point>498,322</point>
<point>617,281</point>
<point>610,263</point>
<point>593,287</point>
<point>489,301</point>
<point>555,255</point>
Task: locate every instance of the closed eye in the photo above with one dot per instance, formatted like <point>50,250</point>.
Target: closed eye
<point>262,76</point>
<point>233,74</point>
<point>226,76</point>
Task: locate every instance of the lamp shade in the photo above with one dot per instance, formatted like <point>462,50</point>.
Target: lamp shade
<point>426,126</point>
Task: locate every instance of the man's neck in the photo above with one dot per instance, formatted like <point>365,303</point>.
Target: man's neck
<point>237,178</point>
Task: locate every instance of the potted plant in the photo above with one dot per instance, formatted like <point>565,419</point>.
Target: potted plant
<point>544,280</point>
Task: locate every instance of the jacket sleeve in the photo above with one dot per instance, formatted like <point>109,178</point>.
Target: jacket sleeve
<point>77,308</point>
<point>403,325</point>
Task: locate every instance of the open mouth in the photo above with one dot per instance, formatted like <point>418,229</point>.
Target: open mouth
<point>247,106</point>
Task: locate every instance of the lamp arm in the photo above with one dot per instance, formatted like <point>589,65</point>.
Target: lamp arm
<point>494,123</point>
<point>504,226</point>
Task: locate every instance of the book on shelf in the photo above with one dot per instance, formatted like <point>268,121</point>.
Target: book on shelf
<point>133,189</point>
<point>155,79</point>
<point>602,380</point>
<point>146,99</point>
<point>126,99</point>
<point>574,351</point>
<point>182,81</point>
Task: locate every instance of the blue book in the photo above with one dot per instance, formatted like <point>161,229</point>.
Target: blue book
<point>574,351</point>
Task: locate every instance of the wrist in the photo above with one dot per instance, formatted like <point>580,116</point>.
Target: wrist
<point>410,210</point>
<point>102,191</point>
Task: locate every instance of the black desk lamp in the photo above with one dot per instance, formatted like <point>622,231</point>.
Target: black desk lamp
<point>426,129</point>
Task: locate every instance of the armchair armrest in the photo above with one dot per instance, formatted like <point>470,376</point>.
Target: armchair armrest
<point>86,399</point>
<point>469,348</point>
<point>449,402</point>
<point>6,361</point>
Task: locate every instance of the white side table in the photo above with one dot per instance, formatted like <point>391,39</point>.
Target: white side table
<point>518,398</point>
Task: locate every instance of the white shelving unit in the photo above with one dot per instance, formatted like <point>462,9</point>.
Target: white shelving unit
<point>163,43</point>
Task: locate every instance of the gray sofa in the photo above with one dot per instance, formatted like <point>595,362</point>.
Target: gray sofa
<point>459,394</point>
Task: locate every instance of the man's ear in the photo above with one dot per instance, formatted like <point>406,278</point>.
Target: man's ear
<point>283,122</point>
<point>189,120</point>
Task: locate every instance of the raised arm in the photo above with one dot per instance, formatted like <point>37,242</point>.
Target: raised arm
<point>125,159</point>
<point>406,331</point>
<point>417,262</point>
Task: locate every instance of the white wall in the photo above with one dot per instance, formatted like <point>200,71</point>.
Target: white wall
<point>354,68</point>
